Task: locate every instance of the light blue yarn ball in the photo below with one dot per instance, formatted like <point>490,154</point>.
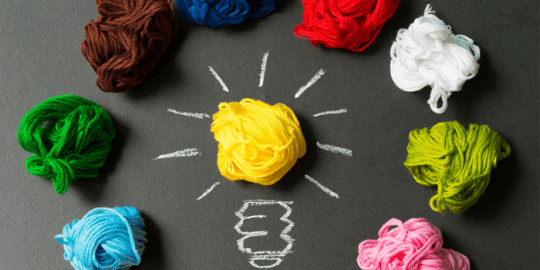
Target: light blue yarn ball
<point>104,238</point>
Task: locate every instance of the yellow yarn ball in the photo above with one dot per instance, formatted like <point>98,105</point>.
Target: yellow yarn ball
<point>258,142</point>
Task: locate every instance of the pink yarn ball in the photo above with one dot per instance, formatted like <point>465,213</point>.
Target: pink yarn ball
<point>413,245</point>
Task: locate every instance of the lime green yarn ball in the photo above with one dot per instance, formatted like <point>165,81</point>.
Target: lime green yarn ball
<point>457,161</point>
<point>74,143</point>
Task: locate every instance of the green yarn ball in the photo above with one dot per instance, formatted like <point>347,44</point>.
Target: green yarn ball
<point>456,160</point>
<point>74,144</point>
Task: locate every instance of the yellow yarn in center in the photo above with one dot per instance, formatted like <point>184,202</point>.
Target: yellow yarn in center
<point>258,142</point>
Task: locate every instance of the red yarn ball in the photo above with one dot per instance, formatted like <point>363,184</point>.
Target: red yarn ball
<point>350,24</point>
<point>127,39</point>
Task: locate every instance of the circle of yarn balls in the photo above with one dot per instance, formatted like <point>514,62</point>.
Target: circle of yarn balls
<point>349,24</point>
<point>217,13</point>
<point>413,245</point>
<point>127,39</point>
<point>258,142</point>
<point>104,238</point>
<point>456,160</point>
<point>74,144</point>
<point>429,54</point>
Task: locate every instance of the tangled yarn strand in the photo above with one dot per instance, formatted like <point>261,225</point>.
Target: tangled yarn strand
<point>217,13</point>
<point>258,142</point>
<point>104,238</point>
<point>127,39</point>
<point>413,245</point>
<point>457,161</point>
<point>74,144</point>
<point>427,53</point>
<point>353,25</point>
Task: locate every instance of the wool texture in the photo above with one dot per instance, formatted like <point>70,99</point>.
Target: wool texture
<point>456,160</point>
<point>216,13</point>
<point>349,24</point>
<point>104,238</point>
<point>74,144</point>
<point>258,142</point>
<point>413,245</point>
<point>429,54</point>
<point>127,39</point>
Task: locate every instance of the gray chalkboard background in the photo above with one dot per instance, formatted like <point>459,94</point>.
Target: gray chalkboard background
<point>40,57</point>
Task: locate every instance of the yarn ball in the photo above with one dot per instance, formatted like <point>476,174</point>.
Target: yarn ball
<point>74,144</point>
<point>456,160</point>
<point>104,238</point>
<point>127,39</point>
<point>413,245</point>
<point>349,24</point>
<point>258,142</point>
<point>216,13</point>
<point>429,54</point>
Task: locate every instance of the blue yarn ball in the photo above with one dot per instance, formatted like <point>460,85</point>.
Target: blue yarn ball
<point>216,13</point>
<point>104,238</point>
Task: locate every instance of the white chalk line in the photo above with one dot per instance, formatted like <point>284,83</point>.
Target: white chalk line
<point>265,258</point>
<point>256,216</point>
<point>310,83</point>
<point>196,115</point>
<point>330,112</point>
<point>182,153</point>
<point>325,189</point>
<point>219,79</point>
<point>264,255</point>
<point>335,149</point>
<point>263,68</point>
<point>208,190</point>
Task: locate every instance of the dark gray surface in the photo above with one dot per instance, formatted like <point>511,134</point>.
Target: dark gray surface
<point>40,58</point>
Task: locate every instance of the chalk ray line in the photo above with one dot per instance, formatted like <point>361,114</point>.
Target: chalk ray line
<point>182,153</point>
<point>263,68</point>
<point>310,83</point>
<point>335,149</point>
<point>219,79</point>
<point>325,189</point>
<point>208,190</point>
<point>196,115</point>
<point>330,112</point>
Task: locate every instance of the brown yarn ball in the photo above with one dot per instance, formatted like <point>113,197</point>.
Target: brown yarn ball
<point>127,39</point>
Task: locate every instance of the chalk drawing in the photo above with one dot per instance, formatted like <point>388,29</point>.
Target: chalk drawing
<point>208,190</point>
<point>196,115</point>
<point>263,68</point>
<point>264,256</point>
<point>276,256</point>
<point>219,79</point>
<point>335,149</point>
<point>331,112</point>
<point>310,83</point>
<point>182,153</point>
<point>325,189</point>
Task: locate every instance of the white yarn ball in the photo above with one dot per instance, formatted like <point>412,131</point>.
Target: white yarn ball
<point>429,54</point>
